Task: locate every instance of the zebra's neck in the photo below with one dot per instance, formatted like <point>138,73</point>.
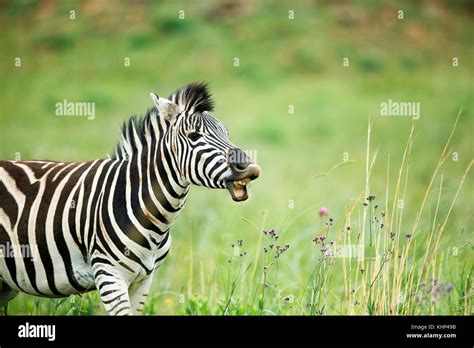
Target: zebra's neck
<point>153,190</point>
<point>150,172</point>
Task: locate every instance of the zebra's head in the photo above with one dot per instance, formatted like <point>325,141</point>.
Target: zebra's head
<point>200,142</point>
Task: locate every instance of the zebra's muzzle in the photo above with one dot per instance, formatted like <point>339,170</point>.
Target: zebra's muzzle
<point>237,184</point>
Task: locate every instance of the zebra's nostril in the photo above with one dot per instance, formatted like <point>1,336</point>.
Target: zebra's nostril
<point>241,166</point>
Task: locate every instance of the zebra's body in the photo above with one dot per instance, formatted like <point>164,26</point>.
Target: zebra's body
<point>104,224</point>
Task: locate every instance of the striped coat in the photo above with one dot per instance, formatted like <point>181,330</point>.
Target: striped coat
<point>67,228</point>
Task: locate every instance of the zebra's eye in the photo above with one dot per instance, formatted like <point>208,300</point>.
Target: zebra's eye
<point>194,136</point>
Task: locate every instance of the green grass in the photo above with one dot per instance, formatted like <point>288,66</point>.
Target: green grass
<point>282,63</point>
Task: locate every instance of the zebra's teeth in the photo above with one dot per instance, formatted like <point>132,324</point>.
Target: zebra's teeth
<point>242,182</point>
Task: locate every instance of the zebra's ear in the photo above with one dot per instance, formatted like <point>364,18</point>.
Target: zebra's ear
<point>166,108</point>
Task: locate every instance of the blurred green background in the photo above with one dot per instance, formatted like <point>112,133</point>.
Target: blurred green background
<point>282,62</point>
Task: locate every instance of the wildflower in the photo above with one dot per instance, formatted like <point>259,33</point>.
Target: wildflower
<point>370,198</point>
<point>409,235</point>
<point>323,211</point>
<point>438,289</point>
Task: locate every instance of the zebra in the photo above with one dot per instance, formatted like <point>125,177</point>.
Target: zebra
<point>105,224</point>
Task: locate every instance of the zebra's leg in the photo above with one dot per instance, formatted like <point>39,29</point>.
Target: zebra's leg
<point>138,293</point>
<point>113,290</point>
<point>6,295</point>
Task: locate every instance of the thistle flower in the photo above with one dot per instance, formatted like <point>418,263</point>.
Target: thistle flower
<point>323,211</point>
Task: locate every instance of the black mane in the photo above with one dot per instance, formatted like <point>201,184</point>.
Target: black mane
<point>194,97</point>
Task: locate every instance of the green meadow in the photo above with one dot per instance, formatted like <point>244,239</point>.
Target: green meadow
<point>301,83</point>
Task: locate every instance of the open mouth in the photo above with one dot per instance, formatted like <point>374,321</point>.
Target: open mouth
<point>237,185</point>
<point>238,189</point>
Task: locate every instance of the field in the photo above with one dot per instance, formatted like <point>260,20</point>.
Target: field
<point>338,178</point>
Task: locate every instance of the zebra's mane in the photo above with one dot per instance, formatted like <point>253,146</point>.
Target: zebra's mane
<point>194,97</point>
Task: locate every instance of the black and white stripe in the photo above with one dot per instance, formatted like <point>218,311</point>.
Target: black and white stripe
<point>104,224</point>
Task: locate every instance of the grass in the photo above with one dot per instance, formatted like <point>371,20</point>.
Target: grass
<point>320,155</point>
<point>384,271</point>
